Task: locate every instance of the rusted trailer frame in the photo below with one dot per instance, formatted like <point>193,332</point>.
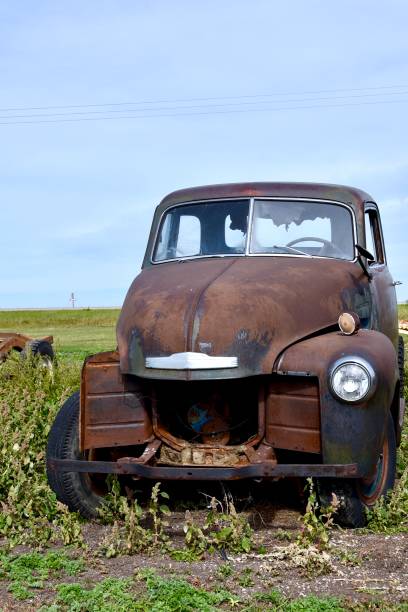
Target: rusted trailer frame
<point>12,341</point>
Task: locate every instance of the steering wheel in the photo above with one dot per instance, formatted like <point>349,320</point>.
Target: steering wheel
<point>331,248</point>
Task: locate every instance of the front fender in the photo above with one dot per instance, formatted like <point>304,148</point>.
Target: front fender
<point>350,433</point>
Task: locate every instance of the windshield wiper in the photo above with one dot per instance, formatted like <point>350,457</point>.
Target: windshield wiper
<point>291,250</point>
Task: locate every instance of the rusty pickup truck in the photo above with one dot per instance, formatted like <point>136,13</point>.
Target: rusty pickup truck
<point>259,341</point>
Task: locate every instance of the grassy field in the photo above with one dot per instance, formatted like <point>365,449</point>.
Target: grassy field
<point>76,332</point>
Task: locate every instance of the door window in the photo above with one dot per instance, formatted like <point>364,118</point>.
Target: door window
<point>374,242</point>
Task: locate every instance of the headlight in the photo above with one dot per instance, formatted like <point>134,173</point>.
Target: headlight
<point>352,381</point>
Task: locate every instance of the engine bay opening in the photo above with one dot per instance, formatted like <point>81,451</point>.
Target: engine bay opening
<point>223,413</point>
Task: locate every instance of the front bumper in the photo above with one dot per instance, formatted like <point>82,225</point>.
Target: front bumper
<point>258,470</point>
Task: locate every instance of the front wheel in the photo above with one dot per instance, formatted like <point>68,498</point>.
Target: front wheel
<point>74,489</point>
<point>358,495</point>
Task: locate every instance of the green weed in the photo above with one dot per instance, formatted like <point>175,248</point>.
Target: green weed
<point>316,521</point>
<point>127,535</point>
<point>390,514</point>
<point>110,594</point>
<point>224,529</point>
<point>29,399</point>
<point>158,595</point>
<point>32,570</point>
<point>310,603</point>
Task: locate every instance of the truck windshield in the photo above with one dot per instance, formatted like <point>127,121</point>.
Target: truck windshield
<point>214,228</point>
<point>303,228</point>
<point>210,228</point>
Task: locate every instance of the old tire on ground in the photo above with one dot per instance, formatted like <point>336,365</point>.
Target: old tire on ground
<point>357,495</point>
<point>41,348</point>
<point>71,488</point>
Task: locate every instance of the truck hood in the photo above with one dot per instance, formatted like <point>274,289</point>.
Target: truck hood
<point>250,308</point>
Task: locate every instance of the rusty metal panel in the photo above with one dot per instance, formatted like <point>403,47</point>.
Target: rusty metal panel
<point>239,307</point>
<point>112,409</point>
<point>293,414</point>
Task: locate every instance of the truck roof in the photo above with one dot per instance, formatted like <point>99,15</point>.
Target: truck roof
<point>323,191</point>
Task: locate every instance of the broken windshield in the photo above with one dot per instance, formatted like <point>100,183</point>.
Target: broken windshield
<point>203,229</point>
<point>212,228</point>
<point>308,228</point>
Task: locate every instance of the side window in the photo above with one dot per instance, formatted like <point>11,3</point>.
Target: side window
<point>373,236</point>
<point>189,236</point>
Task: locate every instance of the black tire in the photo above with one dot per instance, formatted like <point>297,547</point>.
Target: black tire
<point>41,348</point>
<point>358,495</point>
<point>401,360</point>
<point>73,489</point>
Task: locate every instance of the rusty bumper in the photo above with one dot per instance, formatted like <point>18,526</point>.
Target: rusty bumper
<point>154,472</point>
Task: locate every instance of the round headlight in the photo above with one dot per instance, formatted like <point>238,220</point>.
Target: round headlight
<point>351,381</point>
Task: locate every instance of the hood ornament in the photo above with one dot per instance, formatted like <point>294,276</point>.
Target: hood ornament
<point>191,361</point>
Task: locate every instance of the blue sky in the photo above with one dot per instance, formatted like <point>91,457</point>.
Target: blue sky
<point>77,197</point>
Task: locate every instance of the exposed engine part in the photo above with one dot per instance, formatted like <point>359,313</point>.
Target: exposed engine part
<point>205,420</point>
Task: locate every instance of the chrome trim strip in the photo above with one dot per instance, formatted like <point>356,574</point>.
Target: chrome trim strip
<point>191,361</point>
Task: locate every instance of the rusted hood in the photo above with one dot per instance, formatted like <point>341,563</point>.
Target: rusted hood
<point>249,307</point>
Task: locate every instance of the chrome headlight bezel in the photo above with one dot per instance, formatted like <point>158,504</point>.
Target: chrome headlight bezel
<point>365,366</point>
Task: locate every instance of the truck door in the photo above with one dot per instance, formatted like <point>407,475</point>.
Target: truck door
<point>384,301</point>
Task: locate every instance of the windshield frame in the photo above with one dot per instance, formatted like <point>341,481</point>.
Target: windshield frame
<point>247,252</point>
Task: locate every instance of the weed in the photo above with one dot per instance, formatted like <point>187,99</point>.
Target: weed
<point>178,595</point>
<point>223,530</point>
<point>29,400</point>
<point>283,535</point>
<point>110,594</point>
<point>348,557</point>
<point>390,514</point>
<point>160,594</point>
<point>316,521</point>
<point>225,570</point>
<point>111,506</point>
<point>310,551</point>
<point>311,603</point>
<point>245,579</point>
<point>127,535</point>
<point>32,570</point>
<point>69,526</point>
<point>157,512</point>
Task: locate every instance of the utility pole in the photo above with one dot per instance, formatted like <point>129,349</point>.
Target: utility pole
<point>72,299</point>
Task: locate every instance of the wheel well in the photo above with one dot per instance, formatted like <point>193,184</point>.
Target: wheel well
<point>395,407</point>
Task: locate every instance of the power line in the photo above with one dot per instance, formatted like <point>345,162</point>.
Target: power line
<point>213,112</point>
<point>201,106</point>
<point>200,99</point>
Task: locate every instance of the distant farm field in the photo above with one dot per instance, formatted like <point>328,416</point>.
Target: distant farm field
<point>75,331</point>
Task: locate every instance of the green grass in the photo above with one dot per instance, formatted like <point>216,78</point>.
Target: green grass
<point>77,332</point>
<point>34,570</point>
<point>403,311</point>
